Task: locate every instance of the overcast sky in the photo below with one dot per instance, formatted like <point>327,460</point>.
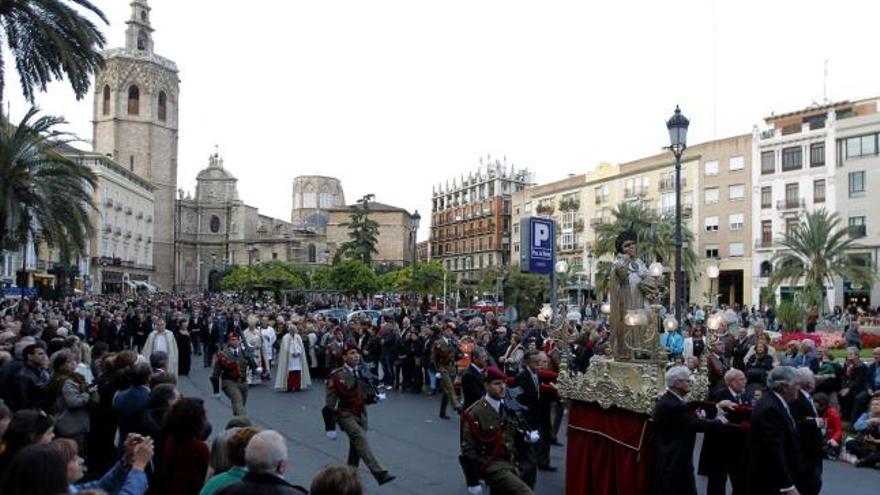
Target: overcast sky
<point>393,97</point>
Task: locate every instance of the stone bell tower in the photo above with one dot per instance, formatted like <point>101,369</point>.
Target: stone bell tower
<point>135,122</point>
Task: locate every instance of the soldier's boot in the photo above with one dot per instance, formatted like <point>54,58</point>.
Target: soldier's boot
<point>443,403</point>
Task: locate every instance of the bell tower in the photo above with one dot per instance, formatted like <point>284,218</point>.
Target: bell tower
<point>135,123</point>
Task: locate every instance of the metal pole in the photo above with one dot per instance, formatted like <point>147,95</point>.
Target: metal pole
<point>679,282</point>
<point>445,309</point>
<point>552,294</point>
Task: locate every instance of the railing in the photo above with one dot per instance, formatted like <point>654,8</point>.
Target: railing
<point>791,204</point>
<point>763,243</point>
<point>857,231</point>
<point>768,134</point>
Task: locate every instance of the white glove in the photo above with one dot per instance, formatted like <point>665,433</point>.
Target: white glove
<point>533,436</point>
<point>331,434</point>
<point>438,375</point>
<point>475,490</point>
<point>381,397</point>
<point>259,370</point>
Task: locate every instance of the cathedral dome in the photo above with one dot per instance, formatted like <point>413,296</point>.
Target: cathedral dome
<point>215,170</point>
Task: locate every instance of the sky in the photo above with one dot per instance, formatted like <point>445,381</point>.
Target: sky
<point>394,97</point>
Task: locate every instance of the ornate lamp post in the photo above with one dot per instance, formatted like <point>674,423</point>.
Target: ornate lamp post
<point>678,127</point>
<point>415,219</point>
<point>713,271</point>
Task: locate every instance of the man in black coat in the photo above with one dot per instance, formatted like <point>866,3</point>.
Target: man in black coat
<point>675,429</point>
<point>722,453</point>
<point>773,450</point>
<point>537,414</point>
<point>266,458</point>
<point>809,429</point>
<point>212,337</point>
<point>115,334</point>
<point>472,387</point>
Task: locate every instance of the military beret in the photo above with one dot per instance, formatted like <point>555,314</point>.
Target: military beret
<point>493,373</point>
<point>351,346</point>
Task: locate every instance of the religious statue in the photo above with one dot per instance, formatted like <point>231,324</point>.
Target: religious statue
<point>632,290</point>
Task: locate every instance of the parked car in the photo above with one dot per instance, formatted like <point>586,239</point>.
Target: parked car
<point>366,314</point>
<point>338,314</point>
<point>468,313</point>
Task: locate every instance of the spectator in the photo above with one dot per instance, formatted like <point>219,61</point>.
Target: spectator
<point>266,460</point>
<point>36,470</point>
<point>70,397</point>
<point>337,479</point>
<point>27,427</point>
<point>758,364</point>
<point>185,456</point>
<point>695,344</point>
<point>125,478</point>
<point>32,379</point>
<point>833,439</point>
<point>854,371</point>
<point>512,358</point>
<point>872,385</point>
<point>828,376</point>
<point>235,446</point>
<point>162,397</point>
<point>864,451</point>
<point>790,358</point>
<point>808,422</point>
<point>807,358</point>
<point>129,405</point>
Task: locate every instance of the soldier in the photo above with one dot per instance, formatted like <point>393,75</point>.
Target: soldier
<point>231,368</point>
<point>443,357</point>
<point>487,441</point>
<point>347,397</point>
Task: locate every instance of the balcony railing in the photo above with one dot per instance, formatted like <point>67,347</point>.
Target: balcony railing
<point>635,191</point>
<point>856,231</point>
<point>791,204</point>
<point>669,184</point>
<point>598,221</point>
<point>128,210</point>
<point>763,243</point>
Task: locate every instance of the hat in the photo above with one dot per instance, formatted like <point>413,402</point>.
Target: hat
<point>351,346</point>
<point>622,238</point>
<point>493,373</point>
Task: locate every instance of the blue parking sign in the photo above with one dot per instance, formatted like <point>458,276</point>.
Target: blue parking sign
<point>537,245</point>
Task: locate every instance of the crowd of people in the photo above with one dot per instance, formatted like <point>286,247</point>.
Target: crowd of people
<point>91,402</point>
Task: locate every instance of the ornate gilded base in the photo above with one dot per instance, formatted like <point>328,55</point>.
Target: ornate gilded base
<point>631,385</point>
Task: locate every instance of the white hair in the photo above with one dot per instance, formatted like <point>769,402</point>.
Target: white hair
<point>780,377</point>
<point>804,376</point>
<point>732,374</point>
<point>264,451</point>
<point>809,343</point>
<point>677,373</point>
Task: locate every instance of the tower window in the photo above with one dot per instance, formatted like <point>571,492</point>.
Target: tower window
<point>106,104</point>
<point>163,106</point>
<point>144,15</point>
<point>313,254</point>
<point>134,100</point>
<point>131,162</point>
<point>142,40</point>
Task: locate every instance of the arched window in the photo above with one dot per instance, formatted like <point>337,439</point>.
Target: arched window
<point>134,100</point>
<point>144,15</point>
<point>142,40</point>
<point>106,104</point>
<point>313,254</point>
<point>766,269</point>
<point>163,106</point>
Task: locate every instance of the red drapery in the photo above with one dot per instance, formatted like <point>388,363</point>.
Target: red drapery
<point>608,451</point>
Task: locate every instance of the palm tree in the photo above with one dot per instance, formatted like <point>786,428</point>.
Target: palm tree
<point>656,236</point>
<point>817,252</point>
<point>51,39</point>
<point>42,191</point>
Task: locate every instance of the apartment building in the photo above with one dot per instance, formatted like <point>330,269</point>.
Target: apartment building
<point>802,164</point>
<point>470,218</point>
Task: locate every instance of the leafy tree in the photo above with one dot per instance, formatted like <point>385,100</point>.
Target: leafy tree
<point>790,315</point>
<point>396,281</point>
<point>354,277</point>
<point>239,278</point>
<point>363,233</point>
<point>656,239</point>
<point>51,39</point>
<point>427,278</point>
<point>526,292</point>
<point>318,278</point>
<point>40,189</point>
<point>817,251</point>
<point>279,276</point>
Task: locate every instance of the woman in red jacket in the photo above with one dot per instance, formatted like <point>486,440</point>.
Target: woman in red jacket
<point>185,455</point>
<point>833,426</point>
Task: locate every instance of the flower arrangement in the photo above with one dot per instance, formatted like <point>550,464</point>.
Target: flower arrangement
<point>788,337</point>
<point>869,340</point>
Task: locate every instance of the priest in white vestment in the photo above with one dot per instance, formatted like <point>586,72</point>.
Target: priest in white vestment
<point>293,368</point>
<point>161,339</point>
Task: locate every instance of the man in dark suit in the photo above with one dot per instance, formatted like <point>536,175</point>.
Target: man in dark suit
<point>472,387</point>
<point>537,415</point>
<point>213,337</point>
<point>809,429</point>
<point>722,453</point>
<point>129,404</point>
<point>675,429</point>
<point>115,334</point>
<point>773,451</point>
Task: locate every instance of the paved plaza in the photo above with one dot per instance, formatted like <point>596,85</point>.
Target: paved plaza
<point>412,442</point>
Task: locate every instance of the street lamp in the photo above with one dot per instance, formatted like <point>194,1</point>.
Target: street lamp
<point>712,271</point>
<point>415,218</point>
<point>678,126</point>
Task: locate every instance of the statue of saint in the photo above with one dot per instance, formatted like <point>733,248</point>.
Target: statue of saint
<point>632,289</point>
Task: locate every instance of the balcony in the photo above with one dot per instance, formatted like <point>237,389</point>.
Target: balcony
<point>768,134</point>
<point>117,232</point>
<point>601,199</point>
<point>128,210</point>
<point>108,229</point>
<point>635,192</point>
<point>139,238</point>
<point>594,222</point>
<point>128,234</point>
<point>140,215</point>
<point>149,218</point>
<point>668,184</point>
<point>791,204</point>
<point>117,206</point>
<point>857,231</point>
<point>108,203</point>
<point>763,243</point>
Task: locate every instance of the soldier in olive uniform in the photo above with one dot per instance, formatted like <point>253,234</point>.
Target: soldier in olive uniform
<point>346,398</point>
<point>230,373</point>
<point>443,357</point>
<point>488,433</point>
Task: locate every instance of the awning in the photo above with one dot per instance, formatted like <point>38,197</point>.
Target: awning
<point>131,284</point>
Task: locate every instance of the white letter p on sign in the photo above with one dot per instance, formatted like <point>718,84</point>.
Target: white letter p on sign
<point>542,234</point>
